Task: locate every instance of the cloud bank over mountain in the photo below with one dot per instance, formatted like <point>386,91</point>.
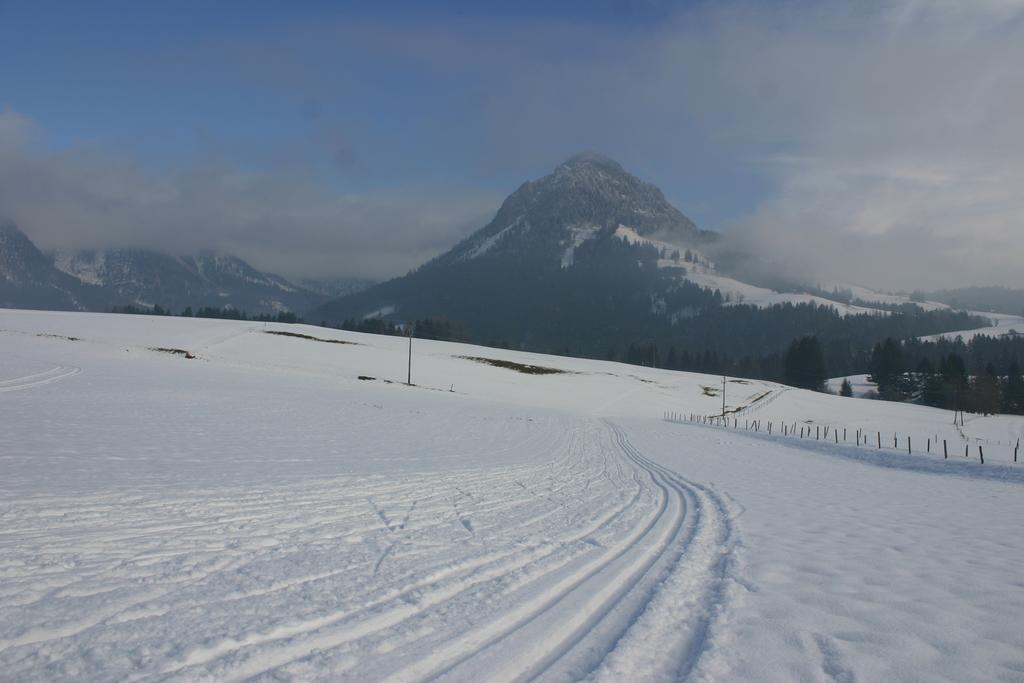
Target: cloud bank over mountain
<point>875,142</point>
<point>89,197</point>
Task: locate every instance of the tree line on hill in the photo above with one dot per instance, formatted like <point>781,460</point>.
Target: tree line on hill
<point>982,375</point>
<point>616,302</point>
<point>745,341</point>
<point>440,329</point>
<point>226,313</point>
<point>979,376</point>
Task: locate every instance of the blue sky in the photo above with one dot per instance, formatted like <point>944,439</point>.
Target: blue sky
<point>163,81</point>
<point>378,135</point>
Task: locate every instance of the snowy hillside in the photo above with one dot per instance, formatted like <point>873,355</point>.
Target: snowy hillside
<point>701,271</point>
<point>1002,325</point>
<point>283,507</point>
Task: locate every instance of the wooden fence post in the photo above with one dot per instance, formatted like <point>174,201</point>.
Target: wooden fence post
<point>981,454</point>
<point>945,451</point>
<point>929,445</point>
<point>908,445</point>
<point>879,440</point>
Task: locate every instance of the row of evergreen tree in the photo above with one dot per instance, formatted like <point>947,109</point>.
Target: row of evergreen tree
<point>980,376</point>
<point>226,313</point>
<point>440,329</point>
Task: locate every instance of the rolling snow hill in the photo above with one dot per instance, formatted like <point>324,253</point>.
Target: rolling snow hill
<point>282,506</point>
<point>1002,325</point>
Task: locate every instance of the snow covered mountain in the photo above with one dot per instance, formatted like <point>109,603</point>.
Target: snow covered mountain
<point>557,239</point>
<point>28,278</point>
<point>587,237</point>
<point>96,280</point>
<point>145,278</point>
<point>587,197</point>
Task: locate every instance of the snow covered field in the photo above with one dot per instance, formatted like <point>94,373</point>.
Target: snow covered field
<point>260,512</point>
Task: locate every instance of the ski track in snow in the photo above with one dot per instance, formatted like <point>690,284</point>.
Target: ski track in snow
<point>263,514</point>
<point>513,573</point>
<point>54,374</point>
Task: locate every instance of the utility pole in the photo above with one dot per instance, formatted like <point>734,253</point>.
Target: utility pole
<point>408,380</point>
<point>723,396</point>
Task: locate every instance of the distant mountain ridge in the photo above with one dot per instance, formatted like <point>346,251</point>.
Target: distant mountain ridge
<point>991,299</point>
<point>28,278</point>
<point>98,280</point>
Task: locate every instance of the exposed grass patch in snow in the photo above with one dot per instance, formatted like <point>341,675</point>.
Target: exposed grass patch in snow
<point>59,336</point>
<point>518,367</point>
<point>309,337</point>
<point>709,391</point>
<point>176,352</point>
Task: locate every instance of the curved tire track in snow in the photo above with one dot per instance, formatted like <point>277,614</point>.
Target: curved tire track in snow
<point>54,374</point>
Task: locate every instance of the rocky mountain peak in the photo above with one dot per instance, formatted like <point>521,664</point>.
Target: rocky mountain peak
<point>588,162</point>
<point>586,197</point>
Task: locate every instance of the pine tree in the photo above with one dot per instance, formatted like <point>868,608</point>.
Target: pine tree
<point>846,389</point>
<point>1013,390</point>
<point>804,364</point>
<point>954,382</point>
<point>887,368</point>
<point>985,392</point>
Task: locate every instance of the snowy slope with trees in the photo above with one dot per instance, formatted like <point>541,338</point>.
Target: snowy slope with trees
<point>282,506</point>
<point>1003,325</point>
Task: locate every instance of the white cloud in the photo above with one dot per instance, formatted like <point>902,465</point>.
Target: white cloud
<point>86,197</point>
<point>885,135</point>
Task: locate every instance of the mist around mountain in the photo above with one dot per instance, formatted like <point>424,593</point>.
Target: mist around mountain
<point>100,280</point>
<point>28,278</point>
<point>592,261</point>
<point>553,258</point>
<point>588,260</point>
<point>990,299</point>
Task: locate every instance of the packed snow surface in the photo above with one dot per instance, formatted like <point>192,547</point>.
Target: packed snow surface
<point>261,512</point>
